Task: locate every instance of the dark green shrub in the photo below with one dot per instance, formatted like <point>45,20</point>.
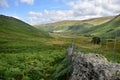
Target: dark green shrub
<point>14,73</point>
<point>2,74</point>
<point>96,40</point>
<point>35,74</point>
<point>63,71</point>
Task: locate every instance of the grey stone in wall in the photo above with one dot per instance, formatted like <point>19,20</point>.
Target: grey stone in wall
<point>93,67</point>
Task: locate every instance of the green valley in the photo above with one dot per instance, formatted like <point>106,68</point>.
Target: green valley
<point>73,26</point>
<point>39,52</point>
<point>93,27</point>
<point>27,53</point>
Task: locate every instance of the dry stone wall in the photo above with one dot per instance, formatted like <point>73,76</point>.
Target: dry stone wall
<point>92,67</point>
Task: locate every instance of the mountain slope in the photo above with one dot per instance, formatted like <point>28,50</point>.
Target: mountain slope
<point>73,25</point>
<point>14,27</point>
<point>59,26</point>
<point>18,36</point>
<point>106,29</point>
<point>98,21</point>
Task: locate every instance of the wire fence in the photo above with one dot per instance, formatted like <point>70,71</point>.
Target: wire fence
<point>110,43</point>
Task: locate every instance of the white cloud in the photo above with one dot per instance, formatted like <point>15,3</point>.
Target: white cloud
<point>17,17</point>
<point>28,1</point>
<point>95,7</point>
<point>49,16</point>
<point>4,4</point>
<point>80,9</point>
<point>35,13</point>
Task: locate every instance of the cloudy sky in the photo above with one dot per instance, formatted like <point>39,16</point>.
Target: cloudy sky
<point>47,11</point>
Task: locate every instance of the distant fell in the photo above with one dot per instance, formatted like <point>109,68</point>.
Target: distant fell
<point>108,29</point>
<point>73,25</point>
<point>99,20</point>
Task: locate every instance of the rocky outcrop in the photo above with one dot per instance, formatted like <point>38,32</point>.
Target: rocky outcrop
<point>92,67</point>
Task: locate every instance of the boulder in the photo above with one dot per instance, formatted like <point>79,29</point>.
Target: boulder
<point>93,67</point>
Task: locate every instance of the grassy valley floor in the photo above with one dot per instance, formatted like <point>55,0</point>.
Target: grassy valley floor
<point>44,58</point>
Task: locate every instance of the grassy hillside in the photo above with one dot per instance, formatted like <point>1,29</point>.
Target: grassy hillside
<point>73,25</point>
<point>59,26</point>
<point>102,26</point>
<point>14,27</point>
<point>16,35</point>
<point>98,21</point>
<point>106,29</point>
